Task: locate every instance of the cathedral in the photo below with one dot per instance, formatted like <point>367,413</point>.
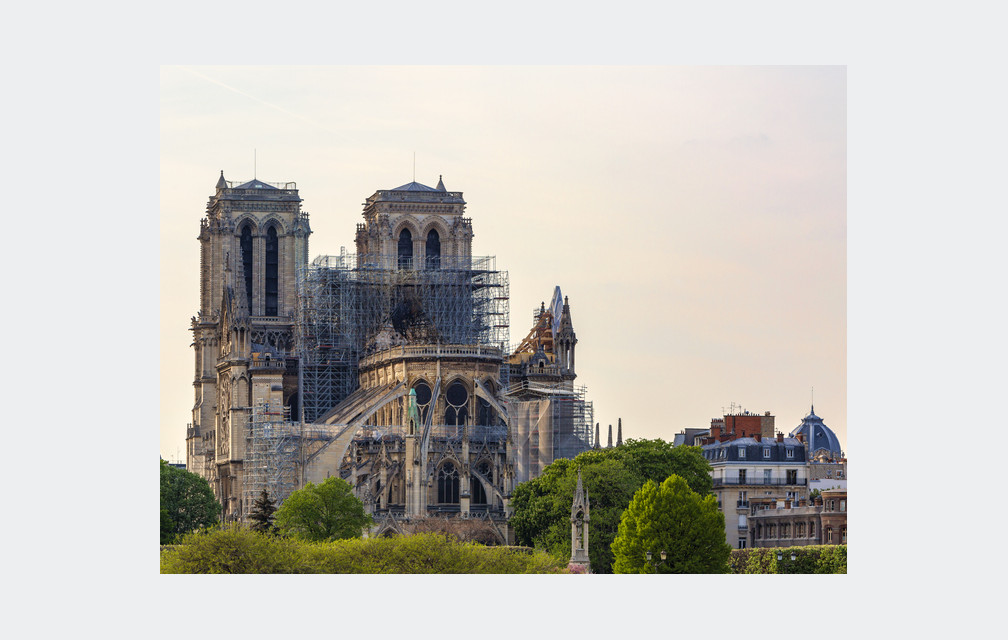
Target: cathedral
<point>390,368</point>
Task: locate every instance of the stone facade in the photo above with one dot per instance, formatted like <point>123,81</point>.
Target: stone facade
<point>745,469</point>
<point>252,241</point>
<point>786,523</point>
<point>438,426</point>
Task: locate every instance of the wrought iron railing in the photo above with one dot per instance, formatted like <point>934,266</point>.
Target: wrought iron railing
<point>766,482</point>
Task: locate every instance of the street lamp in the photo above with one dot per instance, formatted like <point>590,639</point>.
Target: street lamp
<point>780,557</point>
<point>654,565</point>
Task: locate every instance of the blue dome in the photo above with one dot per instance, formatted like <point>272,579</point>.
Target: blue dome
<point>818,436</point>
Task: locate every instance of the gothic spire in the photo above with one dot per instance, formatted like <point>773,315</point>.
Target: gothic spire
<point>619,434</point>
<point>580,497</point>
<point>597,444</point>
<point>610,438</point>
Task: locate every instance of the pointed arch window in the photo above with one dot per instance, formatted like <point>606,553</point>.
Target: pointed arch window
<point>433,249</point>
<point>448,484</point>
<point>405,249</point>
<point>246,256</point>
<point>456,411</point>
<point>423,399</point>
<point>272,270</point>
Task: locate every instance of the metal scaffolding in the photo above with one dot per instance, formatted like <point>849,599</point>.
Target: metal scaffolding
<point>273,445</point>
<point>572,423</point>
<point>348,309</point>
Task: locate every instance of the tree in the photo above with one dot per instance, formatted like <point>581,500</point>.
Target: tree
<point>187,503</point>
<point>657,460</point>
<point>673,518</point>
<point>261,514</point>
<point>323,512</point>
<point>611,477</point>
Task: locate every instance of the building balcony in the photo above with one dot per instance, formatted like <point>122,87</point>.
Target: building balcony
<point>759,482</point>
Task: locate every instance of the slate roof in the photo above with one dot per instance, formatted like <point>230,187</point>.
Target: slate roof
<point>754,451</point>
<point>817,435</point>
<point>419,193</point>
<point>414,186</point>
<point>254,184</point>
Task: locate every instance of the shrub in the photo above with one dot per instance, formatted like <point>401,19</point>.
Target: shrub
<point>808,559</point>
<point>239,550</point>
<point>231,549</point>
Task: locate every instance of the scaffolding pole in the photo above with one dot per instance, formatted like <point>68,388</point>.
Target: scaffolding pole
<point>272,452</point>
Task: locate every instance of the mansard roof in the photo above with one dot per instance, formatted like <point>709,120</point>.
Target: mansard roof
<point>754,450</point>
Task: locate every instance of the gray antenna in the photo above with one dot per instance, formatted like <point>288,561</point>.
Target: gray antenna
<point>254,175</point>
<point>414,166</point>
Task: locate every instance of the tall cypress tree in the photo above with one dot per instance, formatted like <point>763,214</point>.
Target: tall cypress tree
<point>262,512</point>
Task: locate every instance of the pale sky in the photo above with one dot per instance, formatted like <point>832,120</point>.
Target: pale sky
<point>694,216</point>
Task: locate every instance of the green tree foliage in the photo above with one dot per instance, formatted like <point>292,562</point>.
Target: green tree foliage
<point>233,549</point>
<point>657,460</point>
<point>673,518</point>
<point>187,503</point>
<point>325,511</point>
<point>261,514</point>
<point>611,477</point>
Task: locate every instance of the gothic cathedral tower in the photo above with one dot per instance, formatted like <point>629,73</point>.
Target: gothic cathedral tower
<point>415,227</point>
<point>253,241</point>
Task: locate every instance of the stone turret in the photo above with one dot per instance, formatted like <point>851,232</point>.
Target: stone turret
<point>565,341</point>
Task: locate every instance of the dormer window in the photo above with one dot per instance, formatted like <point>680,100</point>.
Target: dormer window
<point>790,452</point>
<point>766,452</point>
<point>741,452</point>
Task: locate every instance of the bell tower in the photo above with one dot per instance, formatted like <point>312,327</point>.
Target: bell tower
<point>253,241</point>
<point>415,227</point>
